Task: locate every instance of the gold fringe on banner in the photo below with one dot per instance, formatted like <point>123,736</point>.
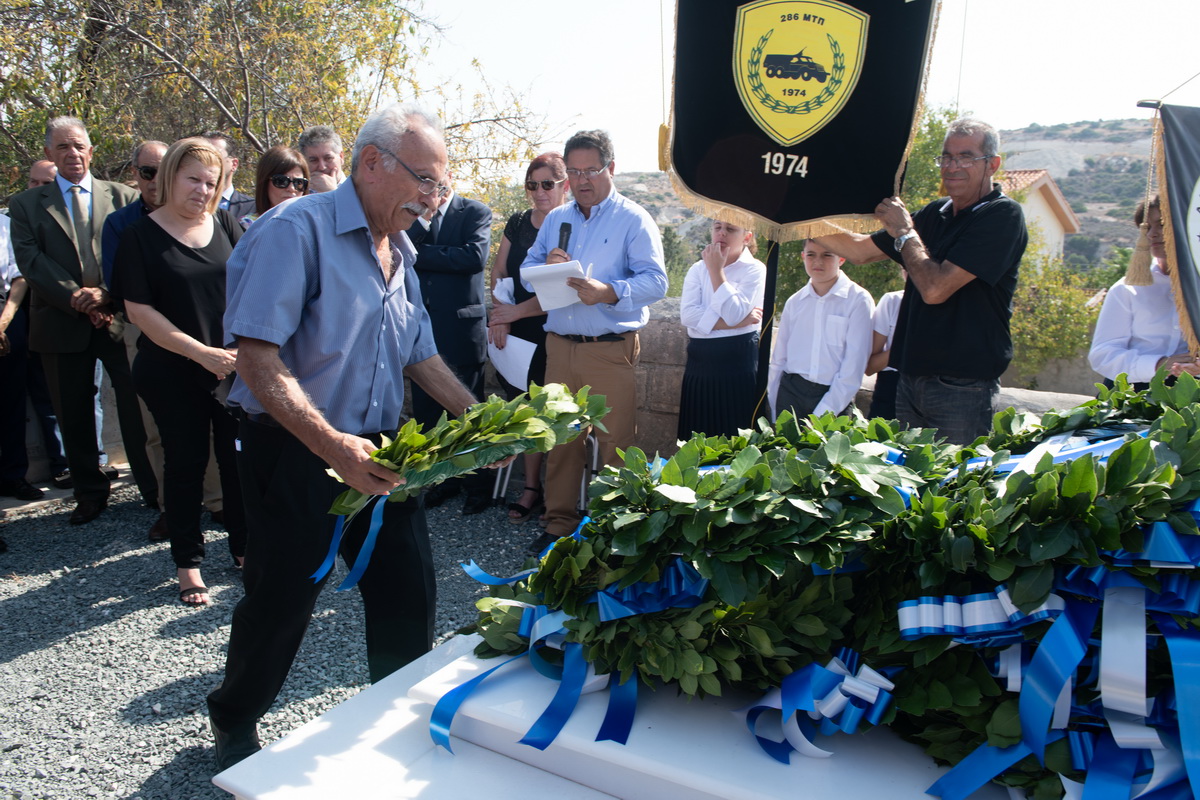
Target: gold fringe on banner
<point>1164,203</point>
<point>1138,272</point>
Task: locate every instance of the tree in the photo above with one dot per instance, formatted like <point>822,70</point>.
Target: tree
<point>261,69</point>
<point>679,257</point>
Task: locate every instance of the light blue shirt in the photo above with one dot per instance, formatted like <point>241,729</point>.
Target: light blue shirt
<point>305,277</point>
<point>622,245</point>
<point>65,185</point>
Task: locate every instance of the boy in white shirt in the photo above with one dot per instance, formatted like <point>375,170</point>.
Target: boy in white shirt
<point>823,341</point>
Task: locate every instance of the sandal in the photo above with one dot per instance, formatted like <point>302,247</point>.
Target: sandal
<point>518,513</point>
<point>192,591</point>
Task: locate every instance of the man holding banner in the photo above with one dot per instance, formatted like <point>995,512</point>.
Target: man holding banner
<point>962,254</point>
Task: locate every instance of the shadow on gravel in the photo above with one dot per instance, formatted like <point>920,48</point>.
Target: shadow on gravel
<point>98,573</point>
<point>186,776</point>
<point>178,699</point>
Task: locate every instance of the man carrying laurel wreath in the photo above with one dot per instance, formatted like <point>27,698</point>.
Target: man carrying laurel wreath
<point>325,310</point>
<point>962,253</point>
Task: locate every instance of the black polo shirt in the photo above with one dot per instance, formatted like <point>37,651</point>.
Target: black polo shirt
<point>968,335</point>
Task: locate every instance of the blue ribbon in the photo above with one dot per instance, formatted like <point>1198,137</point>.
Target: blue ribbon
<point>477,572</point>
<point>1162,545</point>
<point>1184,647</point>
<point>364,553</point>
<point>1178,594</point>
<point>984,763</point>
<point>622,704</point>
<point>680,586</point>
<point>984,619</point>
<point>448,704</point>
<point>551,721</point>
<point>1112,771</point>
<point>1061,650</point>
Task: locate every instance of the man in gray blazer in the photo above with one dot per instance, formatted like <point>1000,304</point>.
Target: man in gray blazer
<point>56,234</point>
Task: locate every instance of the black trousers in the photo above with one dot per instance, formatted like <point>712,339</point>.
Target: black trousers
<point>287,497</point>
<point>427,411</point>
<point>71,378</point>
<point>14,459</point>
<point>180,396</point>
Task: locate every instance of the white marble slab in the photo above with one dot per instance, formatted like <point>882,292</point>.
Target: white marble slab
<point>677,749</point>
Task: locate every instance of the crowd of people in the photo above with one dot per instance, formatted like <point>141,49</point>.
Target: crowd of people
<point>270,336</point>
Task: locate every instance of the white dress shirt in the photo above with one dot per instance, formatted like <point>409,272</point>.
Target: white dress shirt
<point>8,261</point>
<point>701,308</point>
<point>826,339</point>
<point>884,320</point>
<point>1138,325</point>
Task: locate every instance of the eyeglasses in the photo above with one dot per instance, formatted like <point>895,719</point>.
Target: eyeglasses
<point>424,185</point>
<point>586,173</point>
<point>147,173</point>
<point>958,162</point>
<point>531,186</point>
<point>284,181</point>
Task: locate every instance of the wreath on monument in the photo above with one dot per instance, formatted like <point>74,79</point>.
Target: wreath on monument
<point>802,554</point>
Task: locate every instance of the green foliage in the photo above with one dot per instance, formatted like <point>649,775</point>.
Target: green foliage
<point>1050,318</point>
<point>679,256</point>
<point>486,432</point>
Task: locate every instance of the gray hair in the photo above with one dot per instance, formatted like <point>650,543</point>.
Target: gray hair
<point>137,151</point>
<point>593,140</point>
<point>387,126</point>
<point>319,134</point>
<point>64,123</point>
<point>969,126</point>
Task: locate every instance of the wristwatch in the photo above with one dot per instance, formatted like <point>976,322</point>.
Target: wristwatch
<point>900,241</point>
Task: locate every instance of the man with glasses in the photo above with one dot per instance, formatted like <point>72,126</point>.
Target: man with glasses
<point>962,254</point>
<point>325,310</point>
<point>452,249</point>
<point>595,342</point>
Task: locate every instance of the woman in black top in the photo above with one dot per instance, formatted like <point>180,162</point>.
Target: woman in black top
<point>282,175</point>
<point>170,273</point>
<point>546,188</point>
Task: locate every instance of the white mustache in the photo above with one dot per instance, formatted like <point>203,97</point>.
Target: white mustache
<point>415,208</point>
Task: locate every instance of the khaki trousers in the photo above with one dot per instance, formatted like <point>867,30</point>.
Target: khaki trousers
<point>607,367</point>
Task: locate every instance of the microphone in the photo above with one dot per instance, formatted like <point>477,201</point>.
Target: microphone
<point>564,236</point>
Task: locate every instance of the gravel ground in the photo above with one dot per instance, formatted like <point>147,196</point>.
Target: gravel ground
<point>103,672</point>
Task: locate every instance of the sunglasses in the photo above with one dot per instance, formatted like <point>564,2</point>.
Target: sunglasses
<point>283,182</point>
<point>147,173</point>
<point>531,186</point>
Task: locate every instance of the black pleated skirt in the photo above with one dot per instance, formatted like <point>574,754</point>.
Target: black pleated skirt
<point>718,394</point>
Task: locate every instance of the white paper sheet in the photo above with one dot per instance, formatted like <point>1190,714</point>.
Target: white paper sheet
<point>513,361</point>
<point>549,282</point>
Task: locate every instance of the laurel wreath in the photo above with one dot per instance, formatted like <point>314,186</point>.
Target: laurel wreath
<point>773,104</point>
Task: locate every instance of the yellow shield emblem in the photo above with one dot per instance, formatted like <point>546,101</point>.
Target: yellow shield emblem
<point>796,63</point>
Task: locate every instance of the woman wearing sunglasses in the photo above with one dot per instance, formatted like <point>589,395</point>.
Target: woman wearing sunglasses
<point>170,273</point>
<point>282,175</point>
<point>546,188</point>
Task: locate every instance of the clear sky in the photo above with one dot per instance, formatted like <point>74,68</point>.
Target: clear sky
<point>1011,62</point>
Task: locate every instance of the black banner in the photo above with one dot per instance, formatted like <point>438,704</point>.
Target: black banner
<point>796,110</point>
<point>1179,179</point>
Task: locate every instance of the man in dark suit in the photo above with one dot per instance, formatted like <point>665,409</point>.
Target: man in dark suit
<point>239,204</point>
<point>56,238</point>
<point>452,251</point>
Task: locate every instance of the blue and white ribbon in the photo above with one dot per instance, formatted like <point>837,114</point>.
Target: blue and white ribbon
<point>841,696</point>
<point>971,618</point>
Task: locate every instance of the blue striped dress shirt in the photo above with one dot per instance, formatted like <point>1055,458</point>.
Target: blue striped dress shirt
<point>305,277</point>
<point>621,243</point>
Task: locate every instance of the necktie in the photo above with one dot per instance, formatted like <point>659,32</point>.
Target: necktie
<point>83,237</point>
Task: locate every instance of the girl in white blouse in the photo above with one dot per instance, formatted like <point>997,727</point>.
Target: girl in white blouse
<point>722,311</point>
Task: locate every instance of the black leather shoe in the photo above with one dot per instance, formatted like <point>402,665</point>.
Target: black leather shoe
<point>234,745</point>
<point>109,472</point>
<point>63,480</point>
<point>20,489</point>
<point>158,531</point>
<point>86,511</point>
<point>476,504</point>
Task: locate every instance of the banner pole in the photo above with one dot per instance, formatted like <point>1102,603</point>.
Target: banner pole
<point>764,340</point>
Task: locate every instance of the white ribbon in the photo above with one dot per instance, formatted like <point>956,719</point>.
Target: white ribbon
<point>1123,668</point>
